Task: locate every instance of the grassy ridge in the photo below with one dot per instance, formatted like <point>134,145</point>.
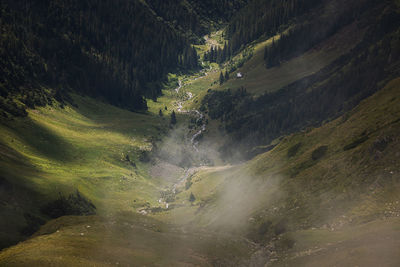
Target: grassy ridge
<point>257,79</point>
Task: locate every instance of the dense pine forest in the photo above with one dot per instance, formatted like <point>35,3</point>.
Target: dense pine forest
<point>265,18</point>
<point>106,49</point>
<point>196,18</point>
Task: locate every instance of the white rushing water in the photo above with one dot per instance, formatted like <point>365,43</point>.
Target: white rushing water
<point>199,117</point>
<point>197,113</point>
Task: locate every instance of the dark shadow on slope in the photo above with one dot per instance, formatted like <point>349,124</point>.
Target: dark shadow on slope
<point>22,202</point>
<point>19,201</point>
<point>42,140</point>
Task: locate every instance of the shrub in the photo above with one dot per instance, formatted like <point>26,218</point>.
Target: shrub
<point>381,143</point>
<point>144,156</point>
<point>355,143</point>
<point>188,183</point>
<point>173,118</point>
<point>192,198</point>
<point>319,152</point>
<point>292,151</point>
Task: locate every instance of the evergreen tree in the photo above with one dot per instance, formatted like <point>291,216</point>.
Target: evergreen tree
<point>212,54</point>
<point>219,56</point>
<point>226,75</point>
<point>173,118</point>
<point>225,52</point>
<point>192,197</point>
<point>221,78</point>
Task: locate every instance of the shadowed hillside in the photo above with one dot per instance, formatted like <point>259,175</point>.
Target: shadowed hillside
<point>199,133</point>
<point>117,51</point>
<point>293,96</point>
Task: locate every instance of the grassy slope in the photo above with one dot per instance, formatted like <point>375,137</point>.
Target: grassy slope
<point>258,79</point>
<point>372,244</point>
<point>60,150</point>
<point>126,240</point>
<point>342,209</point>
<point>336,194</point>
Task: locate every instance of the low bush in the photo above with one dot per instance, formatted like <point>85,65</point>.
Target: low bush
<point>319,152</point>
<point>292,151</point>
<point>355,143</point>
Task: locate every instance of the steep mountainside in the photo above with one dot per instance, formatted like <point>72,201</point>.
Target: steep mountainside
<point>118,51</point>
<point>329,92</point>
<point>196,18</point>
<point>265,17</point>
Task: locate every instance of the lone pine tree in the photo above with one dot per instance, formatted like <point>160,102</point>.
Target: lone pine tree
<point>221,78</point>
<point>173,117</point>
<point>226,75</point>
<point>192,197</point>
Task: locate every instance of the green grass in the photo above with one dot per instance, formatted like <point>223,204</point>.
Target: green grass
<point>61,150</point>
<point>125,240</point>
<point>258,79</point>
<point>371,244</point>
<point>340,191</point>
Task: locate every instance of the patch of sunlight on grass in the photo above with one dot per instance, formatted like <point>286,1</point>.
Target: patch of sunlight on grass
<point>84,148</point>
